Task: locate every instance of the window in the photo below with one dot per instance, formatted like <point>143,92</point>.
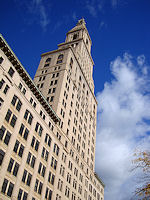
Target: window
<point>24,132</point>
<point>45,154</point>
<point>28,116</point>
<point>49,91</point>
<point>48,194</point>
<point>55,82</point>
<point>6,89</point>
<point>16,102</point>
<point>1,59</point>
<point>5,136</point>
<point>18,148</point>
<point>46,65</point>
<point>22,89</point>
<point>60,184</point>
<point>75,36</point>
<point>35,143</point>
<point>51,178</point>
<point>52,98</point>
<point>60,58</point>
<point>67,191</point>
<point>41,169</point>
<point>56,149</point>
<point>11,72</point>
<point>7,188</point>
<point>22,195</point>
<point>2,154</point>
<point>48,60</point>
<point>1,83</point>
<point>31,160</point>
<point>13,167</point>
<point>48,140</point>
<point>38,129</point>
<point>26,178</point>
<point>54,163</point>
<point>38,186</point>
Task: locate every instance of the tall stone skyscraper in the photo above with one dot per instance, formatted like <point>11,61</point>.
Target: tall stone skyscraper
<point>48,127</point>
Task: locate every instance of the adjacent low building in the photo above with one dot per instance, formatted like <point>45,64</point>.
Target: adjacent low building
<point>48,126</point>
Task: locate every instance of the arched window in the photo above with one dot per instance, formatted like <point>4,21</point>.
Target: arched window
<point>60,58</point>
<point>48,60</point>
<point>75,36</point>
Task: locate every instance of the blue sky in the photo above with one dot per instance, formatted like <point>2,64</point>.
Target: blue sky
<point>120,32</point>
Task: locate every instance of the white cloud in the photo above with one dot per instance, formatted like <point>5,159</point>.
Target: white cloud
<point>34,12</point>
<point>90,6</point>
<point>123,108</point>
<point>114,3</point>
<point>102,24</point>
<point>37,8</point>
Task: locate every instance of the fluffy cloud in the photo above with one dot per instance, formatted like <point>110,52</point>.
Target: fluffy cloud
<point>123,125</point>
<point>37,10</point>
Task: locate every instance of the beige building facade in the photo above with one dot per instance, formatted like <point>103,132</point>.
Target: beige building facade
<point>48,126</point>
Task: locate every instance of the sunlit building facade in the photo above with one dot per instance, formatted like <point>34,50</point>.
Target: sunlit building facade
<point>48,126</point>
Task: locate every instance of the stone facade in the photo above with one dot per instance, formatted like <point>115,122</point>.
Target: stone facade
<point>48,126</point>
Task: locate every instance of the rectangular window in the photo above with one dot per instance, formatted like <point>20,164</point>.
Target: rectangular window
<point>11,72</point>
<point>6,89</point>
<point>1,83</point>
<point>2,154</point>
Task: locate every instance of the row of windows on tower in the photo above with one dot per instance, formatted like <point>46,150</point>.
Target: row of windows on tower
<point>59,60</point>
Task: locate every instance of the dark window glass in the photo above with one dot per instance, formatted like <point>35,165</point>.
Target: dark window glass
<point>40,166</point>
<point>30,119</point>
<point>50,195</point>
<point>26,134</point>
<point>19,194</point>
<point>43,152</point>
<point>26,114</point>
<point>11,71</point>
<point>21,129</point>
<point>6,89</point>
<point>48,60</point>
<point>40,188</point>
<point>33,161</point>
<point>4,186</point>
<point>36,185</point>
<point>29,157</point>
<point>29,179</point>
<point>13,102</point>
<point>2,83</point>
<point>46,65</point>
<point>24,91</point>
<point>25,196</point>
<point>16,146</point>
<point>8,115</point>
<point>11,162</point>
<point>46,194</point>
<point>33,141</point>
<point>10,189</point>
<point>2,154</point>
<point>16,168</point>
<point>2,131</point>
<point>43,171</point>
<point>13,121</point>
<point>37,145</point>
<point>19,104</point>
<point>20,86</point>
<point>24,176</point>
<point>21,150</point>
<point>36,127</point>
<point>53,178</point>
<point>1,59</point>
<point>7,138</point>
<point>46,155</point>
